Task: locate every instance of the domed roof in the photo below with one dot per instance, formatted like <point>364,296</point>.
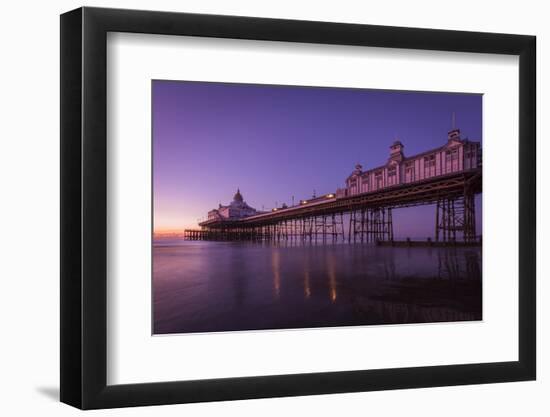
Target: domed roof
<point>238,197</point>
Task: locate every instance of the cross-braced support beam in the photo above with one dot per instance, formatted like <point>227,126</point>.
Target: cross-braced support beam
<point>455,218</point>
<point>371,225</point>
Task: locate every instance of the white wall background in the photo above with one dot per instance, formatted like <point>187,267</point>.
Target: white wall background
<point>29,175</point>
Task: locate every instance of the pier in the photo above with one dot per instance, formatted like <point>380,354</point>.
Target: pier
<point>447,177</point>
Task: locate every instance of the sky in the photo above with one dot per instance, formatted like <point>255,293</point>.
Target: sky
<point>276,142</point>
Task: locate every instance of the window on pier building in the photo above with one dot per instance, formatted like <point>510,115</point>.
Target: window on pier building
<point>451,154</point>
<point>392,175</point>
<point>409,171</point>
<point>378,179</point>
<point>353,186</point>
<point>429,161</point>
<point>451,160</point>
<point>429,166</point>
<point>471,156</point>
<point>364,183</point>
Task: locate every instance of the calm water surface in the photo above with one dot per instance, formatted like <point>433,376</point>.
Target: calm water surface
<point>224,286</point>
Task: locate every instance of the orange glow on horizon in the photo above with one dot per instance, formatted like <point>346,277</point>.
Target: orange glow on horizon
<point>172,227</point>
<point>159,233</point>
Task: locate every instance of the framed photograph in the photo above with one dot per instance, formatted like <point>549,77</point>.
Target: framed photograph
<point>257,208</point>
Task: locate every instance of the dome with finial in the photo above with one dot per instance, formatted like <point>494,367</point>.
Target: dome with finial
<point>236,209</point>
<point>238,197</point>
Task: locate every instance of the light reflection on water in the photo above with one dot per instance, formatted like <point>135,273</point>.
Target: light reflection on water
<point>222,286</point>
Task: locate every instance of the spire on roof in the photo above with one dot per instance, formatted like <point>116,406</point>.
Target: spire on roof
<point>238,196</point>
<point>454,133</point>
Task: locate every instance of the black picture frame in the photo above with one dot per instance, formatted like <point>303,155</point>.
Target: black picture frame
<point>84,207</point>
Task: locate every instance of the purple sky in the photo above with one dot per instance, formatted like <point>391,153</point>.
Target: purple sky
<point>275,142</point>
